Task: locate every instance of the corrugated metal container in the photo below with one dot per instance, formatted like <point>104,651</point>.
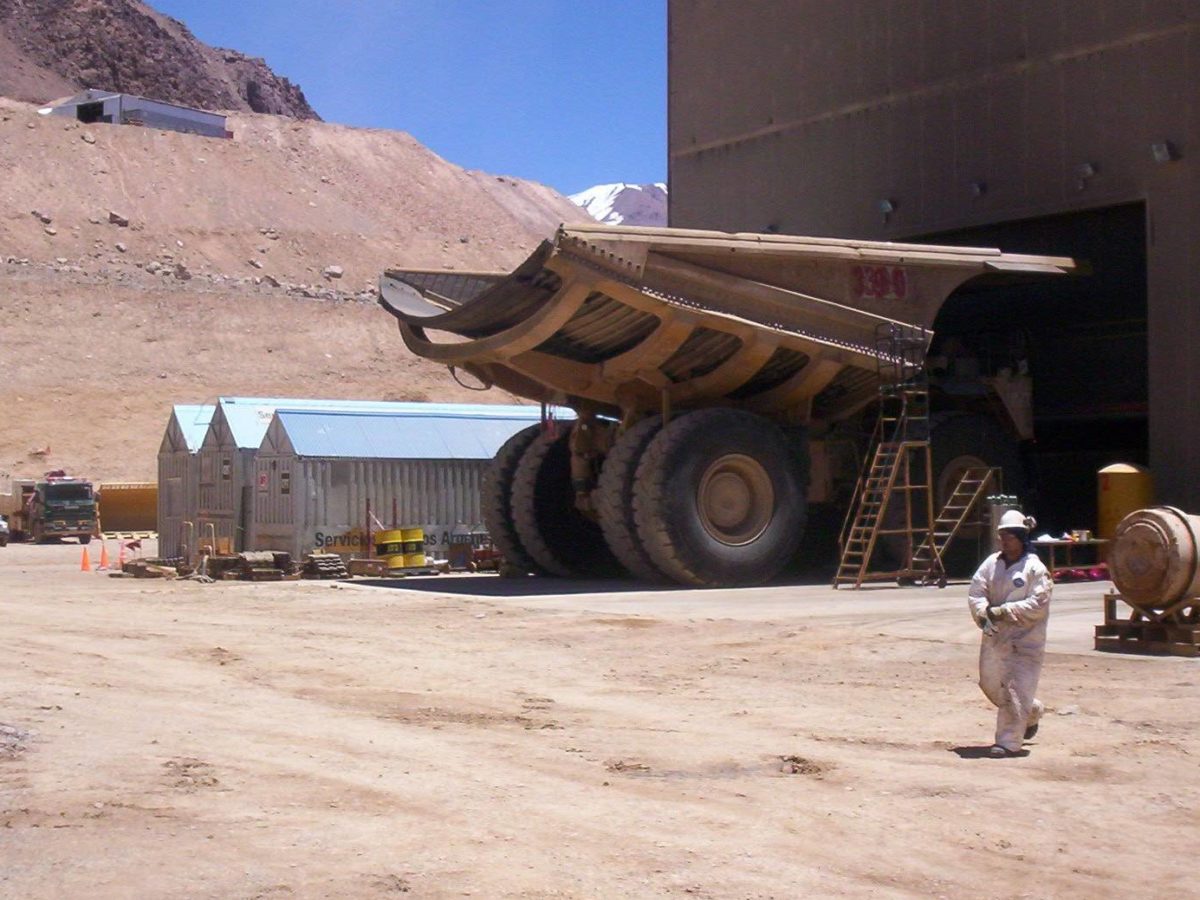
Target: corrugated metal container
<point>127,505</point>
<point>178,473</point>
<point>317,470</point>
<point>227,476</point>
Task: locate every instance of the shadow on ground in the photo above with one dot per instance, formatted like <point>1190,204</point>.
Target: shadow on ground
<point>494,586</point>
<point>982,752</point>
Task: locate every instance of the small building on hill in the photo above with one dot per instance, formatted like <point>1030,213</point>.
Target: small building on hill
<point>108,107</point>
<point>327,479</point>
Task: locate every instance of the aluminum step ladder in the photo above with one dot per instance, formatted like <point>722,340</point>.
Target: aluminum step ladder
<point>975,484</point>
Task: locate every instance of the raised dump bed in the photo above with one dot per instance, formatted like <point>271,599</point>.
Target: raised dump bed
<point>739,342</point>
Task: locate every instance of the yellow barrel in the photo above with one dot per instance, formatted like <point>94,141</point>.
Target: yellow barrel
<point>1154,557</point>
<point>1121,489</point>
<point>414,547</point>
<point>394,561</point>
<point>388,543</point>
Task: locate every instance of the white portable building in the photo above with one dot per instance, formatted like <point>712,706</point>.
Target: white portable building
<point>178,473</point>
<point>113,108</point>
<point>317,470</point>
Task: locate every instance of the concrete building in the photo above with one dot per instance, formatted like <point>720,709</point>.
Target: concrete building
<point>1038,126</point>
<point>110,108</point>
<point>318,470</point>
<point>178,472</point>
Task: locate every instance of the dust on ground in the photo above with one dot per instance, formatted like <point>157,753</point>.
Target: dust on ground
<point>470,736</point>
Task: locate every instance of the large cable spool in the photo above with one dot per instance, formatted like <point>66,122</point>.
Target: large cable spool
<point>1155,557</point>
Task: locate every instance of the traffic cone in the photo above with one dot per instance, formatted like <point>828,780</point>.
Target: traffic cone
<point>103,567</point>
<point>121,556</point>
<point>85,564</point>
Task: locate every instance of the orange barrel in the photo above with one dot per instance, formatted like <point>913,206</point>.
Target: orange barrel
<point>1154,556</point>
<point>414,547</point>
<point>1121,488</point>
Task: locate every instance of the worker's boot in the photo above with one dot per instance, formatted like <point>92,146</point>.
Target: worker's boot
<point>998,752</point>
<point>1035,718</point>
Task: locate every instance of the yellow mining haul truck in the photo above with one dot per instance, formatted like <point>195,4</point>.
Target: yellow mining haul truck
<point>708,373</point>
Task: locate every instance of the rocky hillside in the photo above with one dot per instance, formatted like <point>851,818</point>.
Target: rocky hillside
<point>52,48</point>
<point>141,268</point>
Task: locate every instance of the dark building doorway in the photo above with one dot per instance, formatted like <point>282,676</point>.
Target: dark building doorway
<point>1083,339</point>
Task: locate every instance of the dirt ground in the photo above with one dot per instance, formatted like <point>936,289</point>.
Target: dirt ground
<point>467,736</point>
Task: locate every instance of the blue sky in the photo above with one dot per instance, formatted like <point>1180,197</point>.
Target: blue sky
<point>569,93</point>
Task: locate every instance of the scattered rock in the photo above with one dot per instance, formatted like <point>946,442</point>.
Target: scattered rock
<point>115,218</point>
<point>88,137</point>
<point>50,230</point>
<point>153,266</point>
<point>182,273</point>
<point>95,220</point>
<point>271,280</point>
<point>333,272</point>
<point>1069,711</point>
<point>41,217</point>
<point>799,765</point>
<point>61,260</point>
<point>121,248</point>
<point>254,262</point>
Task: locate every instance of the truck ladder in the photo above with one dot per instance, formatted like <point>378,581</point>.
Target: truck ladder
<point>894,476</point>
<point>972,487</point>
<point>899,471</point>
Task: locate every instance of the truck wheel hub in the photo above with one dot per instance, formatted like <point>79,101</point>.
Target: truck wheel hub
<point>736,499</point>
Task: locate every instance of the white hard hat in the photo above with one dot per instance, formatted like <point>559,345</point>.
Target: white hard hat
<point>1015,519</point>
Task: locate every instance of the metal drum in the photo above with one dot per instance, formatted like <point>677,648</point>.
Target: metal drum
<point>1121,489</point>
<point>389,543</point>
<point>414,547</point>
<point>1155,557</point>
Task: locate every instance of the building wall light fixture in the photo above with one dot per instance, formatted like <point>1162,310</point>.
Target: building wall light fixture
<point>1164,151</point>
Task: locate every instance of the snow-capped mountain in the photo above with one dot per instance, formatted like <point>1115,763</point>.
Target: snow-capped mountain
<point>625,204</point>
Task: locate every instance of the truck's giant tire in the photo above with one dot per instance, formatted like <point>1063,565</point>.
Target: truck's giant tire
<point>613,499</point>
<point>85,539</point>
<point>496,499</point>
<point>560,539</point>
<point>961,440</point>
<point>720,499</point>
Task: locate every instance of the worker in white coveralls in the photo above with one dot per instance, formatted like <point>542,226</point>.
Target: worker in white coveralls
<point>1010,600</point>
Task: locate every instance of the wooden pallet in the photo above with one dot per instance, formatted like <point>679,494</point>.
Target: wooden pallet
<point>1139,633</point>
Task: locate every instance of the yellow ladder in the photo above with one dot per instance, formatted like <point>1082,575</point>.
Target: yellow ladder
<point>972,487</point>
<point>889,478</point>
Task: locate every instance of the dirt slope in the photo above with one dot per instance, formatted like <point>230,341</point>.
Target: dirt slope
<point>100,336</point>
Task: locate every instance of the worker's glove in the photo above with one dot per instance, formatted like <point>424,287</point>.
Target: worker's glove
<point>985,625</point>
<point>995,613</point>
